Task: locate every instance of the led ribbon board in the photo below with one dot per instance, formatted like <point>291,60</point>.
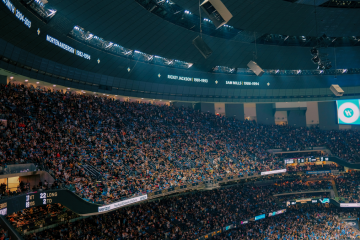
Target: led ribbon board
<point>348,111</point>
<point>274,172</point>
<point>67,47</point>
<point>122,203</point>
<point>349,204</point>
<point>17,13</point>
<point>259,217</point>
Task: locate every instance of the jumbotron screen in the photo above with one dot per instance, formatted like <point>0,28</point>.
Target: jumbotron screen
<point>348,111</point>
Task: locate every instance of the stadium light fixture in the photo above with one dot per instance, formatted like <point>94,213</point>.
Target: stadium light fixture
<point>89,37</point>
<point>51,13</point>
<point>26,80</point>
<point>109,45</point>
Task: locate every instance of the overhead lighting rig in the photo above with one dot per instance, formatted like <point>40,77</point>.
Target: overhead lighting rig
<point>321,59</point>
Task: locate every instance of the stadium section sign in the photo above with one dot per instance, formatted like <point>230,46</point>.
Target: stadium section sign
<point>348,111</point>
<point>122,203</point>
<point>67,47</point>
<point>273,172</point>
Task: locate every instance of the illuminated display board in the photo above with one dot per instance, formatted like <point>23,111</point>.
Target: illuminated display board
<point>67,47</point>
<point>34,199</point>
<point>113,206</point>
<point>259,217</point>
<point>274,172</point>
<point>305,159</point>
<point>277,212</point>
<point>37,199</point>
<point>348,111</point>
<point>17,13</point>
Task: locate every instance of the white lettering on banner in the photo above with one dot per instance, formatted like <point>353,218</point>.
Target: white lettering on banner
<point>185,78</point>
<point>242,83</point>
<point>233,82</point>
<point>188,79</point>
<point>67,47</point>
<point>122,203</point>
<point>17,13</point>
<point>349,204</point>
<point>273,172</point>
<point>204,80</point>
<point>172,77</point>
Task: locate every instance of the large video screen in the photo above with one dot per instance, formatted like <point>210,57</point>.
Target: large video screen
<point>348,111</point>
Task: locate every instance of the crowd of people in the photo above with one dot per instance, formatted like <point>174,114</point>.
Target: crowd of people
<point>305,222</point>
<point>348,186</point>
<point>182,217</point>
<point>192,215</point>
<point>106,150</point>
<point>44,215</point>
<point>301,185</point>
<point>138,147</point>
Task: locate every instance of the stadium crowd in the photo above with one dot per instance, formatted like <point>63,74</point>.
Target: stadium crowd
<point>189,216</point>
<point>39,215</point>
<point>348,187</point>
<point>313,167</point>
<point>137,147</point>
<point>181,217</point>
<point>305,222</point>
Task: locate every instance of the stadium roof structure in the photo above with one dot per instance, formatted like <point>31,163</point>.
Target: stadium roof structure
<point>131,25</point>
<point>284,32</point>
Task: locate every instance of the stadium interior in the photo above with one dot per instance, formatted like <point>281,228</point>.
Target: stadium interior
<point>179,119</point>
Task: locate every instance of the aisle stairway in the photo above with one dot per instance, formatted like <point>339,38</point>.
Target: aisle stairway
<point>334,188</point>
<point>92,171</point>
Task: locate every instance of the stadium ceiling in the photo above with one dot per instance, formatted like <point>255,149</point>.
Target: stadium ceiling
<point>129,24</point>
<point>294,18</point>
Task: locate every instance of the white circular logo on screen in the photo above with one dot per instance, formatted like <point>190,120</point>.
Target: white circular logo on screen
<point>348,112</point>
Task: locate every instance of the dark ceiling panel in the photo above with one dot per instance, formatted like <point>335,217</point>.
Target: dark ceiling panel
<point>246,13</point>
<point>130,25</point>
